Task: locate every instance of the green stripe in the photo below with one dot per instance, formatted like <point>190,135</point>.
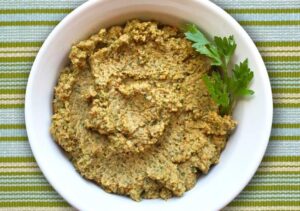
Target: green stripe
<point>17,98</point>
<point>285,138</point>
<point>13,138</point>
<point>272,188</point>
<point>281,159</point>
<point>9,106</point>
<point>12,126</point>
<point>16,159</point>
<point>34,204</point>
<point>25,188</point>
<point>281,58</point>
<point>17,59</point>
<point>21,173</point>
<point>14,75</point>
<point>12,91</point>
<point>286,125</point>
<point>20,44</point>
<point>35,10</point>
<point>280,164</point>
<point>262,10</point>
<point>277,173</point>
<point>28,23</point>
<point>264,203</point>
<point>286,90</point>
<point>277,43</point>
<point>287,105</point>
<point>270,23</point>
<point>284,74</point>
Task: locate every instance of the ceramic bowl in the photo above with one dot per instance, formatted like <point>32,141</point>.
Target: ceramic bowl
<point>244,150</point>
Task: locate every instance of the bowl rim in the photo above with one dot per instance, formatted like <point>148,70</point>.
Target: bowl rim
<point>83,8</point>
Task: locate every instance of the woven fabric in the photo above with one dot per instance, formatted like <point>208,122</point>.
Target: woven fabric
<point>274,25</point>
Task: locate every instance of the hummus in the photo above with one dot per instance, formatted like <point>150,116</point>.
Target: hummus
<point>133,114</point>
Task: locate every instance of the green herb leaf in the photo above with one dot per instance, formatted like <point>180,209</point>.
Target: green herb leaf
<point>209,51</point>
<point>226,47</point>
<point>192,33</point>
<point>224,87</point>
<point>202,45</point>
<point>218,90</point>
<point>241,78</point>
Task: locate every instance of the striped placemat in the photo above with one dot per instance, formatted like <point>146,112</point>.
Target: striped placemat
<point>274,25</point>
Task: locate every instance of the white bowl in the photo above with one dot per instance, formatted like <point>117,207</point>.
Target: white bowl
<point>244,150</point>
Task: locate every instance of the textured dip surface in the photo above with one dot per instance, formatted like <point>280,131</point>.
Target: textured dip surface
<point>133,114</point>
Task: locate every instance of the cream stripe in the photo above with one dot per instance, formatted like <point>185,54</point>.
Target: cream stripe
<point>295,164</point>
<point>11,101</point>
<point>19,49</point>
<point>286,100</point>
<point>19,170</point>
<point>18,164</point>
<point>291,95</point>
<point>37,209</point>
<point>12,96</point>
<point>16,54</point>
<point>280,53</point>
<point>260,208</point>
<point>271,169</point>
<point>280,48</point>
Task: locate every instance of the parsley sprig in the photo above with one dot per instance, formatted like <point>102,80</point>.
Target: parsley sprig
<point>224,86</point>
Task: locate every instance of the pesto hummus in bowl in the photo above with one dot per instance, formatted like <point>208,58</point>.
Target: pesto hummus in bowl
<point>107,125</point>
<point>134,115</point>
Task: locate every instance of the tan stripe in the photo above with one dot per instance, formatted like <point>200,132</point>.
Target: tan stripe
<point>19,49</point>
<point>19,170</point>
<point>280,53</point>
<point>286,100</point>
<point>286,95</point>
<point>18,164</point>
<point>294,164</point>
<point>11,101</point>
<point>273,208</point>
<point>5,55</point>
<point>11,96</point>
<point>271,169</point>
<point>280,48</point>
<point>37,209</point>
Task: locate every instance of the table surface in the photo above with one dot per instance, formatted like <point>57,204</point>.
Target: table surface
<point>274,25</point>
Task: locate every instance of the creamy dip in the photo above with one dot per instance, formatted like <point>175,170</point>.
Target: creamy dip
<point>133,114</point>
